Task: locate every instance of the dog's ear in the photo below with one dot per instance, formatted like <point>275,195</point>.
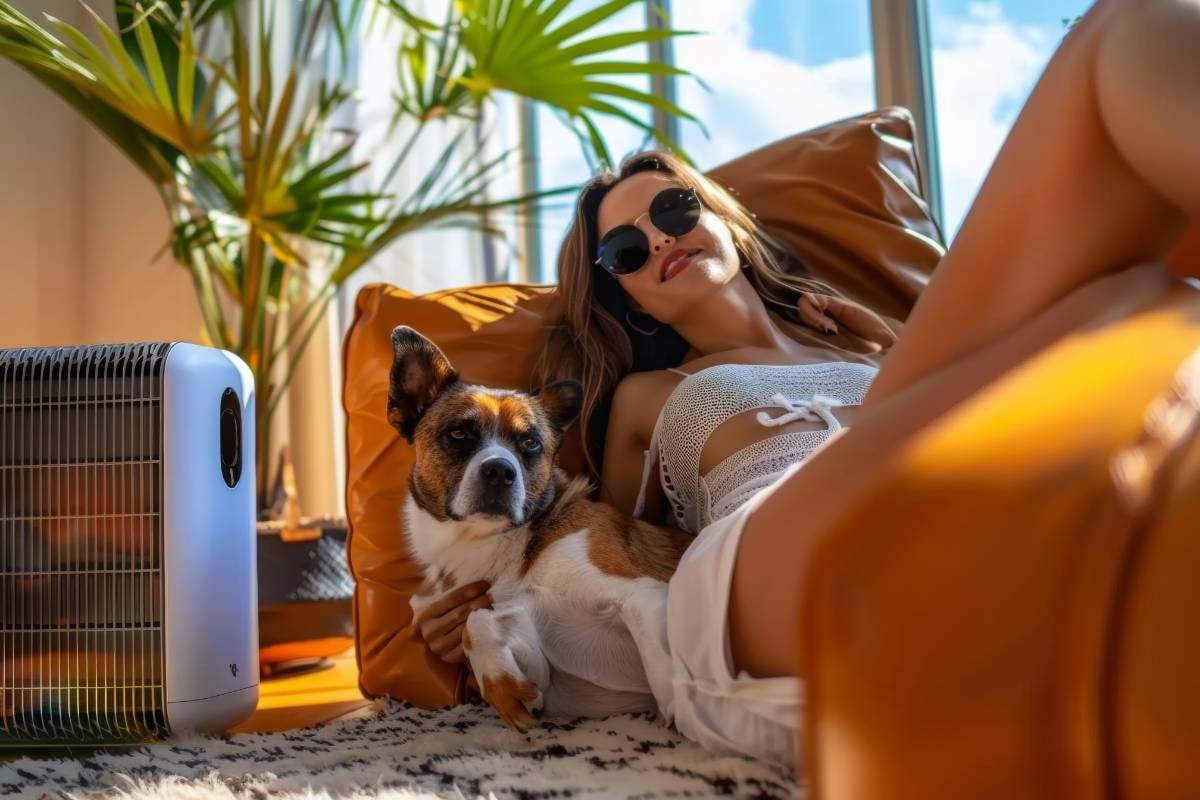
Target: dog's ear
<point>562,401</point>
<point>420,372</point>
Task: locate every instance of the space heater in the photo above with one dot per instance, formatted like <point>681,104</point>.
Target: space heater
<point>128,601</point>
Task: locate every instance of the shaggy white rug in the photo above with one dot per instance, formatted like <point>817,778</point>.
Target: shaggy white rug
<point>398,751</point>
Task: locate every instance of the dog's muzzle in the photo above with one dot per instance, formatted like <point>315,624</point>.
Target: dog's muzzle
<point>497,478</point>
<point>492,485</point>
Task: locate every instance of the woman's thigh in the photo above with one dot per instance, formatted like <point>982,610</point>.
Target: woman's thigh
<point>1083,185</point>
<point>786,520</point>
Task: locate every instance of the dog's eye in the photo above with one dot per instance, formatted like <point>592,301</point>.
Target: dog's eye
<point>460,434</point>
<point>530,444</point>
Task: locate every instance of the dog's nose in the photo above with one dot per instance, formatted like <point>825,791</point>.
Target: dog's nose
<point>497,471</point>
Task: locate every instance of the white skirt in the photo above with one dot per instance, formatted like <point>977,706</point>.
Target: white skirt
<point>756,716</point>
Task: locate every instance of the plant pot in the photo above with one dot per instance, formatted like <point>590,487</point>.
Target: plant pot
<point>304,596</point>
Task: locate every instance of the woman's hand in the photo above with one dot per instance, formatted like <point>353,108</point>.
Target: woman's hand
<point>825,312</point>
<point>442,622</point>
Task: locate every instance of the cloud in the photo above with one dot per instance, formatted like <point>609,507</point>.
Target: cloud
<point>984,66</point>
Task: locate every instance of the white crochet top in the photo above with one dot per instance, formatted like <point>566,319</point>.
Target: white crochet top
<point>705,399</point>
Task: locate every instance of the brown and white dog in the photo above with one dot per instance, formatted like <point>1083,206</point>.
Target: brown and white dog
<point>578,618</point>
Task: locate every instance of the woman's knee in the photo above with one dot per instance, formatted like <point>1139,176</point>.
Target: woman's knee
<point>1147,71</point>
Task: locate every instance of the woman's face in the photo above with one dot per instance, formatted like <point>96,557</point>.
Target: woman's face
<point>680,273</point>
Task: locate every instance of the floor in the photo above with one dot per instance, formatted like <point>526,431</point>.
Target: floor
<point>283,703</point>
<point>294,702</point>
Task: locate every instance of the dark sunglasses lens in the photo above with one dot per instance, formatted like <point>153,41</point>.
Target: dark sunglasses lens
<point>675,211</point>
<point>624,250</point>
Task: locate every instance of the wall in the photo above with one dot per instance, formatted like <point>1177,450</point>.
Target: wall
<point>79,225</point>
<point>80,228</point>
<point>41,207</point>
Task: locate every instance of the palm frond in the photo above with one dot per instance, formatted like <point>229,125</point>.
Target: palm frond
<point>533,49</point>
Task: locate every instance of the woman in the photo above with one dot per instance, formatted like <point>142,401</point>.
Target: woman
<point>1094,186</point>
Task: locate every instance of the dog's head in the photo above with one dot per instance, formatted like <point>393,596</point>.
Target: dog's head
<point>480,452</point>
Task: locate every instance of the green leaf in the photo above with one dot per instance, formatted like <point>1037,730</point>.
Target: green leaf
<point>326,181</point>
<point>409,18</point>
<point>187,70</point>
<point>153,62</point>
<point>587,21</point>
<point>599,88</point>
<point>601,44</point>
<point>534,49</point>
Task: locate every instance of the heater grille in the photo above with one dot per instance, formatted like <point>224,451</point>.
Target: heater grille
<point>81,544</point>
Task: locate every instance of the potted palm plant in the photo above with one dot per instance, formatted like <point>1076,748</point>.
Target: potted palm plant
<point>228,111</point>
<point>228,107</point>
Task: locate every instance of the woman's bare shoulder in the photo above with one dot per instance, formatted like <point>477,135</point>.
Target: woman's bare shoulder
<point>639,397</point>
<point>650,379</point>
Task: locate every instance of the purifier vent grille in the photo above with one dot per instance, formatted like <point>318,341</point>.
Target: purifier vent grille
<point>81,544</point>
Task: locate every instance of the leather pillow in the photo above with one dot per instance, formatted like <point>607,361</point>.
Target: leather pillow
<point>843,198</point>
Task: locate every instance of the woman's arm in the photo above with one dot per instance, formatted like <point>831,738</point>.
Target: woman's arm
<point>636,403</point>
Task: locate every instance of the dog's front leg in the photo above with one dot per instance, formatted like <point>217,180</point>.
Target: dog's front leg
<point>644,612</point>
<point>506,656</point>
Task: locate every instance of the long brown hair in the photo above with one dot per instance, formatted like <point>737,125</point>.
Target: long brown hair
<point>593,340</point>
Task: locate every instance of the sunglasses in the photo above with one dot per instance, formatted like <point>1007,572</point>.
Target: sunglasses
<point>625,249</point>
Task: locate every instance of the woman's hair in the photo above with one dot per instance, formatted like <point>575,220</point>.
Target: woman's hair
<point>593,340</point>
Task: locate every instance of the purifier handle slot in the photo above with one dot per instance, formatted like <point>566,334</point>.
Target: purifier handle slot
<point>231,438</point>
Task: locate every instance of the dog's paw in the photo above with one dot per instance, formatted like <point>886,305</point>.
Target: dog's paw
<point>518,702</point>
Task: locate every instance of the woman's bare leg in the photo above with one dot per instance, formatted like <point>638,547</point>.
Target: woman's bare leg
<point>1100,172</point>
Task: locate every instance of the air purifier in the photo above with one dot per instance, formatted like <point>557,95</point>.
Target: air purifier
<point>128,597</point>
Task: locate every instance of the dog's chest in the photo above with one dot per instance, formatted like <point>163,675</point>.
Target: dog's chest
<point>463,552</point>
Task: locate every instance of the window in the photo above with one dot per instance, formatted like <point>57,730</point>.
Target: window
<point>775,68</point>
<point>428,259</point>
<point>763,70</point>
<point>986,58</point>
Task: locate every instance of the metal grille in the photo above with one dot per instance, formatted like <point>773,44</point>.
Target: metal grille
<point>81,543</point>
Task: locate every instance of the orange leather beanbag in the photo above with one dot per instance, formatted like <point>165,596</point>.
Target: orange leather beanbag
<point>1010,611</point>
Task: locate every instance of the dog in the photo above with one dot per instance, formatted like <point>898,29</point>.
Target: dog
<point>578,619</point>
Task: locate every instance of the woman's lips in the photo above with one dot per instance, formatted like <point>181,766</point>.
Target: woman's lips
<point>677,262</point>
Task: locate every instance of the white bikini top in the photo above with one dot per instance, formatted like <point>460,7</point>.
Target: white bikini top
<point>705,399</point>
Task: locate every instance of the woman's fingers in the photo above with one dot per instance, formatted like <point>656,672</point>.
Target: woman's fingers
<point>445,645</point>
<point>826,312</point>
<point>437,628</point>
<point>450,600</point>
<point>865,323</point>
<point>812,311</point>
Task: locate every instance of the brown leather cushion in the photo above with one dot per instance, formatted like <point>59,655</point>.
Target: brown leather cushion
<point>846,200</point>
<point>843,198</point>
<point>1009,611</point>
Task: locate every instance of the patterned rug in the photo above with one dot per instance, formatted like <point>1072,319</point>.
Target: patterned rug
<point>397,751</point>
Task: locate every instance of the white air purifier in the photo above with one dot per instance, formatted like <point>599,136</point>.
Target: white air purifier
<point>128,582</point>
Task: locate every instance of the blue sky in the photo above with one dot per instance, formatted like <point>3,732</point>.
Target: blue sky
<point>987,54</point>
<point>811,32</point>
<point>816,31</point>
